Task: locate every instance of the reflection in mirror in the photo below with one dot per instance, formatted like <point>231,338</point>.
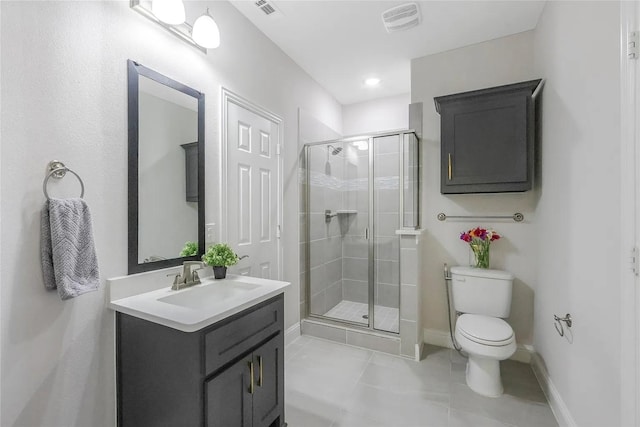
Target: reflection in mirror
<point>166,170</point>
<point>168,119</point>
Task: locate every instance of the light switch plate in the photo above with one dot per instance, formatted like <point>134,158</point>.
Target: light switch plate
<point>210,230</point>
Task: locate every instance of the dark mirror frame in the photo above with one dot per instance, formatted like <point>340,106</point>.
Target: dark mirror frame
<point>134,70</point>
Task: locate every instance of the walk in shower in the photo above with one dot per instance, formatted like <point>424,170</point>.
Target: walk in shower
<point>359,192</point>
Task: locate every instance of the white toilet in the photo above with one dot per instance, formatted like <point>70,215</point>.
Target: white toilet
<point>484,299</point>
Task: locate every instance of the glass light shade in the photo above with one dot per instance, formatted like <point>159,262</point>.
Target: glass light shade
<point>205,32</point>
<point>169,11</point>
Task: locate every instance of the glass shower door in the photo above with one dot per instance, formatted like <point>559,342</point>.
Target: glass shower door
<point>337,248</point>
<point>359,192</point>
<point>386,173</point>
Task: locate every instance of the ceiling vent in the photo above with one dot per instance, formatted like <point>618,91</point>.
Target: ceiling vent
<point>266,6</point>
<point>401,18</point>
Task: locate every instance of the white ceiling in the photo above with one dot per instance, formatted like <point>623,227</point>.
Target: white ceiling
<point>340,43</point>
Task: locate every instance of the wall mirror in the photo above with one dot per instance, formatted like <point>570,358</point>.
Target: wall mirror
<point>166,170</point>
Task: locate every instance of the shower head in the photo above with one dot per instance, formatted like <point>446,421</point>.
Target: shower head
<point>334,150</point>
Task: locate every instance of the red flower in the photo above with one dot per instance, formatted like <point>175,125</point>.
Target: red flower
<point>466,237</point>
<point>477,235</point>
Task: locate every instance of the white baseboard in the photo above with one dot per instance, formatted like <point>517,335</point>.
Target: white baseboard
<point>418,352</point>
<point>437,337</point>
<point>560,410</point>
<point>523,353</point>
<point>292,333</point>
<point>442,339</point>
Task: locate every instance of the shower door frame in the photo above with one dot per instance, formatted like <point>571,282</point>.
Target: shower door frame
<point>369,232</point>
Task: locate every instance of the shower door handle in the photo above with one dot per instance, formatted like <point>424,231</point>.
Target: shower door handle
<point>366,233</point>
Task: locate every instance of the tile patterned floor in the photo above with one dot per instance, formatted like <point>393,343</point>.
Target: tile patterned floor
<point>334,385</point>
<point>386,318</point>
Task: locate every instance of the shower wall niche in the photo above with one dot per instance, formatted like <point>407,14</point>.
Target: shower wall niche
<point>359,192</point>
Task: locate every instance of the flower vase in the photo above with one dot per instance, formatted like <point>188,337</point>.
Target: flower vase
<point>481,253</point>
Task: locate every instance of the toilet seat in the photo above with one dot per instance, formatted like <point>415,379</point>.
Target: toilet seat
<point>485,330</point>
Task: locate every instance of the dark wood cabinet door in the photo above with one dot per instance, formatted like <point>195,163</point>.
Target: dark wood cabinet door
<point>191,169</point>
<point>488,140</point>
<point>229,401</point>
<point>170,378</point>
<point>268,399</point>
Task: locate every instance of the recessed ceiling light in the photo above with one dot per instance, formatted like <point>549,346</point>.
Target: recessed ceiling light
<point>372,81</point>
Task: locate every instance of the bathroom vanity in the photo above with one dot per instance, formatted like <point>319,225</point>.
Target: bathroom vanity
<point>210,355</point>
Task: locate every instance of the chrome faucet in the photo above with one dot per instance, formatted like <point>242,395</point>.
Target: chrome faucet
<point>189,275</point>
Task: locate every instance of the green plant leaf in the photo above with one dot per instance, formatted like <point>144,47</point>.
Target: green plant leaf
<point>220,255</point>
<point>190,249</point>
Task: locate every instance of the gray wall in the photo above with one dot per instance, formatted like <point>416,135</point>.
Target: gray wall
<point>63,81</point>
<point>493,63</point>
<point>577,48</point>
<point>378,115</point>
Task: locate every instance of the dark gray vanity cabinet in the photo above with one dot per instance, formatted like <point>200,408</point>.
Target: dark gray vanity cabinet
<point>488,139</point>
<point>228,374</point>
<point>191,170</point>
<point>232,398</point>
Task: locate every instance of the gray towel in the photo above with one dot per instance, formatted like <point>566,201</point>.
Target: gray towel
<point>69,261</point>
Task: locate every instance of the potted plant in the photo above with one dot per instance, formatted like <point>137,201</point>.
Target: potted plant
<point>220,256</point>
<point>190,249</point>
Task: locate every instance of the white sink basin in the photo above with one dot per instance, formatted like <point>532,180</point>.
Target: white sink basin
<point>193,308</point>
<point>209,294</point>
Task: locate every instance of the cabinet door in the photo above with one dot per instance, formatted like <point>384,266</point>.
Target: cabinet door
<point>191,168</point>
<point>486,145</point>
<point>229,402</point>
<point>268,399</point>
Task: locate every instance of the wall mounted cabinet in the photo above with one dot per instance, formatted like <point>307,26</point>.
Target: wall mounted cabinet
<point>488,139</point>
<point>191,170</point>
<point>228,374</point>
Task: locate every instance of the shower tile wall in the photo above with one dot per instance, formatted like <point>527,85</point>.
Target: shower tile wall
<point>355,261</point>
<point>326,171</point>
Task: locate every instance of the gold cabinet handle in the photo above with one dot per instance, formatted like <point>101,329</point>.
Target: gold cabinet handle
<point>260,368</point>
<point>449,166</point>
<point>251,377</point>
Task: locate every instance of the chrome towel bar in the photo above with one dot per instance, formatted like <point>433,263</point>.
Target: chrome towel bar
<point>517,217</point>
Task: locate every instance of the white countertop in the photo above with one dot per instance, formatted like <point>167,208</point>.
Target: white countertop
<point>192,308</point>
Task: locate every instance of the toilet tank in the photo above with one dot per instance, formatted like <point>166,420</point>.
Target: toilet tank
<point>481,291</point>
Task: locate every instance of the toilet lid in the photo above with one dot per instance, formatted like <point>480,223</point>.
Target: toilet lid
<point>484,329</point>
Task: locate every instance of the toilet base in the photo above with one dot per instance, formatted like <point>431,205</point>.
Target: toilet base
<point>483,376</point>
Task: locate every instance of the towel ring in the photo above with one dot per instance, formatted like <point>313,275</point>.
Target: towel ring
<point>58,170</point>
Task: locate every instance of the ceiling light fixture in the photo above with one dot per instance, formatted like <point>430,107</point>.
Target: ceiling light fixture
<point>372,81</point>
<point>169,11</point>
<point>205,31</point>
<point>170,14</point>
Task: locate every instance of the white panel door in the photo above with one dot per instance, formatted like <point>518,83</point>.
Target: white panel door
<point>252,191</point>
